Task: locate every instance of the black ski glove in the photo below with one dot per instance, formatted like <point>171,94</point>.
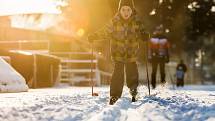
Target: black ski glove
<point>145,36</point>
<point>149,59</point>
<point>167,59</point>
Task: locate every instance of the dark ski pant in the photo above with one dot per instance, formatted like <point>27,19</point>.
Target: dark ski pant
<point>155,64</point>
<point>117,80</point>
<point>180,82</point>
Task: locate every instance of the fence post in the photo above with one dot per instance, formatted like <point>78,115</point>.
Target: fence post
<point>98,74</point>
<point>34,71</point>
<point>51,74</point>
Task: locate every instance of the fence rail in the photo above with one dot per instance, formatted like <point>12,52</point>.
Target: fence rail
<point>81,72</point>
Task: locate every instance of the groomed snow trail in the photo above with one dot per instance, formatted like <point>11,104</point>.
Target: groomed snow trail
<point>163,105</point>
<point>76,104</point>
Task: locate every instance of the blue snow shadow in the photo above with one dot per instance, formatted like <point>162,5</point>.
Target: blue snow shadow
<point>180,109</point>
<point>196,88</point>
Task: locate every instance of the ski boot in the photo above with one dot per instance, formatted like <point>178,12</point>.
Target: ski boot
<point>153,85</point>
<point>163,83</point>
<point>113,100</point>
<point>133,93</point>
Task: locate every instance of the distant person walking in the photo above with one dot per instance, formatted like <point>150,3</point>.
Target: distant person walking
<point>158,54</point>
<point>181,69</point>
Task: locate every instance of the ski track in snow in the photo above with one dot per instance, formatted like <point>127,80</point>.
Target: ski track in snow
<point>77,104</point>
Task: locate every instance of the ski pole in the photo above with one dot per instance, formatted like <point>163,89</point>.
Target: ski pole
<point>147,74</point>
<point>147,70</point>
<point>91,74</point>
<point>171,79</point>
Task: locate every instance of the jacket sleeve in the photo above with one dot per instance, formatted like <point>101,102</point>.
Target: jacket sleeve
<point>177,68</point>
<point>185,68</point>
<point>167,48</point>
<point>142,33</point>
<point>103,33</point>
<point>144,36</point>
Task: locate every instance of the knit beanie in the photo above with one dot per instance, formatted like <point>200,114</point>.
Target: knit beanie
<point>126,3</point>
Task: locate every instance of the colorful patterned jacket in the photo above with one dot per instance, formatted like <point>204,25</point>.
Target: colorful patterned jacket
<point>124,37</point>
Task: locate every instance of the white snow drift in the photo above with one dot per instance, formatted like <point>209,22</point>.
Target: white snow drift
<point>10,79</point>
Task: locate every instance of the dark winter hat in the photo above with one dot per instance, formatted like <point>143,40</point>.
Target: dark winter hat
<point>158,29</point>
<point>126,3</point>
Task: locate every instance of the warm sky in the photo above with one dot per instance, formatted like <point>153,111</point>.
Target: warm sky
<point>11,7</point>
<point>25,13</point>
<point>44,14</point>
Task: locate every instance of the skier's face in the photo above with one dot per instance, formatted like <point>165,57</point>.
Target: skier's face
<point>159,32</point>
<point>126,12</point>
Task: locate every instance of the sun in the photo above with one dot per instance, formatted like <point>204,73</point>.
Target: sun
<point>80,32</point>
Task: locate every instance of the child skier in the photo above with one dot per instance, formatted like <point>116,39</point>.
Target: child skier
<point>180,72</point>
<point>158,54</point>
<point>124,31</point>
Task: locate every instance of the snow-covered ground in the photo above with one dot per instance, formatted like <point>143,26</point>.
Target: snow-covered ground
<point>76,104</point>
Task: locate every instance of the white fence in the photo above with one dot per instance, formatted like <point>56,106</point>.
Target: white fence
<point>77,67</point>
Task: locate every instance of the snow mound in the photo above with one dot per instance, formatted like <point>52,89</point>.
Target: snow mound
<point>10,79</point>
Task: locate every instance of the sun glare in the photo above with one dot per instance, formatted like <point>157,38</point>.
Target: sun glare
<point>80,32</point>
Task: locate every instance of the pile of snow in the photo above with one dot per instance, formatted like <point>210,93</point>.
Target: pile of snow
<point>10,79</point>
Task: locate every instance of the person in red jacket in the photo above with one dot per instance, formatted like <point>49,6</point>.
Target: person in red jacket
<point>158,54</point>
